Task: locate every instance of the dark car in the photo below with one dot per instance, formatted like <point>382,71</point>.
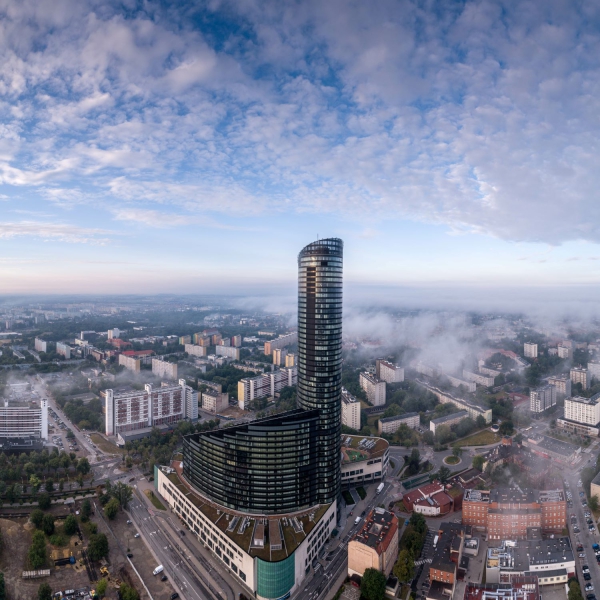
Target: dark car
<point>587,576</point>
<point>591,597</point>
<point>182,532</point>
<point>363,513</point>
<point>174,596</point>
<point>129,555</point>
<point>163,578</point>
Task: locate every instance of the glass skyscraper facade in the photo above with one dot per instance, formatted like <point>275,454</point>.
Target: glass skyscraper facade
<point>320,266</point>
<point>264,467</point>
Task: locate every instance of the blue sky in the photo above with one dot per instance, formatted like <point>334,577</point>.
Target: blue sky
<point>196,147</point>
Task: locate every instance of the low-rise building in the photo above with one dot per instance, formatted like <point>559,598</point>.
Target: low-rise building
<point>214,402</point>
<point>449,420</point>
<point>595,486</point>
<point>518,588</point>
<point>350,410</point>
<point>552,448</point>
<point>530,350</point>
<point>388,372</point>
<point>430,500</point>
<point>364,460</point>
<point>447,555</point>
<point>552,560</point>
<point>374,388</point>
<point>390,425</point>
<point>375,544</point>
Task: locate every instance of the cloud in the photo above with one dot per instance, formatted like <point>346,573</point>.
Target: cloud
<point>152,218</point>
<point>48,232</point>
<point>482,117</point>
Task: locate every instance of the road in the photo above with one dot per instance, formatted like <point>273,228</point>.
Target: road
<point>176,560</point>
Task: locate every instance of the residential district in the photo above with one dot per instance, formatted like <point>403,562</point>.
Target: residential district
<point>184,448</point>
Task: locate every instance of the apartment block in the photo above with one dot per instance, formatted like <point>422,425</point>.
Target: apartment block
<point>564,351</point>
<point>130,363</point>
<point>281,342</point>
<point>41,345</point>
<point>390,425</point>
<point>580,375</point>
<point>196,350</point>
<point>448,420</point>
<point>63,349</point>
<point>225,342</point>
<point>279,355</point>
<point>228,352</point>
<point>162,368</point>
<point>214,402</point>
<point>131,410</point>
<point>542,399</point>
<point>236,341</point>
<point>350,410</point>
<point>202,340</point>
<point>478,378</point>
<point>530,350</point>
<point>251,388</point>
<point>473,409</point>
<point>290,360</point>
<point>20,419</point>
<point>388,372</point>
<point>583,410</point>
<point>185,339</point>
<point>470,386</point>
<point>562,383</point>
<point>374,388</point>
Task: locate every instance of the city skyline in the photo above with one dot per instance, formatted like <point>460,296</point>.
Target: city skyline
<point>194,148</point>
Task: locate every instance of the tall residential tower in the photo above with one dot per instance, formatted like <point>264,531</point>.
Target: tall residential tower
<point>320,354</point>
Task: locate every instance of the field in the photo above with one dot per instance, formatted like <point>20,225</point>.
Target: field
<point>451,460</point>
<point>103,444</point>
<point>483,438</point>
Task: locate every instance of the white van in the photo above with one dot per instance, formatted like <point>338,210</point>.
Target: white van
<point>357,520</point>
<point>158,570</point>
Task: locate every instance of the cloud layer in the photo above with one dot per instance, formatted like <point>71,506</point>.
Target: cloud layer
<point>483,115</point>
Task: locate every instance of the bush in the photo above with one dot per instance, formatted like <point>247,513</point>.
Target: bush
<point>98,546</point>
<point>37,551</point>
<point>70,525</point>
<point>48,524</point>
<point>58,539</point>
<point>44,501</point>
<point>36,517</point>
<point>112,508</point>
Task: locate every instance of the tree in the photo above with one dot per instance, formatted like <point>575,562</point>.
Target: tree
<point>404,569</point>
<point>123,494</point>
<point>48,524</point>
<point>35,483</point>
<point>44,592</point>
<point>372,586</point>
<point>86,510</point>
<point>593,502</point>
<point>44,501</point>
<point>506,428</point>
<point>444,474</point>
<point>128,593</point>
<point>36,517</point>
<point>70,525</point>
<point>418,523</point>
<point>61,484</point>
<point>49,485</point>
<point>98,546</point>
<point>83,466</point>
<point>112,508</point>
<point>37,551</point>
<point>478,462</point>
<point>480,422</point>
<point>457,451</point>
<point>2,587</point>
<point>101,587</point>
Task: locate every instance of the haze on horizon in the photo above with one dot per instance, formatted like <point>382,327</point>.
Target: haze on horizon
<point>196,148</point>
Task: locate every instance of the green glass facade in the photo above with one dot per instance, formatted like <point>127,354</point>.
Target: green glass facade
<point>264,467</point>
<point>275,579</point>
<point>320,267</point>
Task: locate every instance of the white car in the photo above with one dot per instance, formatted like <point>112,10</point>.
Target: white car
<point>589,587</point>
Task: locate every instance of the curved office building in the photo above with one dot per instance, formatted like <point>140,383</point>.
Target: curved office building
<point>320,354</point>
<point>265,467</point>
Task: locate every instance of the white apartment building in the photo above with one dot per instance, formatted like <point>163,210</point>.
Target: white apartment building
<point>63,349</point>
<point>542,399</point>
<point>489,372</point>
<point>23,419</point>
<point>130,363</point>
<point>389,372</point>
<point>214,402</point>
<point>228,352</point>
<point>194,350</point>
<point>114,333</point>
<point>281,342</point>
<point>564,351</point>
<point>130,410</point>
<point>478,378</point>
<point>425,369</point>
<point>448,420</point>
<point>41,345</point>
<point>350,410</point>
<point>583,410</point>
<point>251,388</point>
<point>390,425</point>
<point>530,350</point>
<point>162,368</point>
<point>562,383</point>
<point>375,388</point>
<point>580,375</point>
<point>471,386</point>
<point>593,369</point>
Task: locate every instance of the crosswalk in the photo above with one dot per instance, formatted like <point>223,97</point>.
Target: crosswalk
<point>418,563</point>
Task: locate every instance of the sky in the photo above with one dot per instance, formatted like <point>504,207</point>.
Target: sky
<point>197,147</point>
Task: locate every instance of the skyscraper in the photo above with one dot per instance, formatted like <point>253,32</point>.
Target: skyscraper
<point>320,354</point>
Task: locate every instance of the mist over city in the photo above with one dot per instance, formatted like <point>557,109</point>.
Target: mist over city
<point>299,300</point>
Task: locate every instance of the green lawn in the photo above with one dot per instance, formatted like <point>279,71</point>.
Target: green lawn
<point>483,438</point>
<point>451,460</point>
<point>348,498</point>
<point>155,501</point>
<point>361,492</point>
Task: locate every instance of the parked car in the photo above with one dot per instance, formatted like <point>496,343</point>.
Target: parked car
<point>587,576</point>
